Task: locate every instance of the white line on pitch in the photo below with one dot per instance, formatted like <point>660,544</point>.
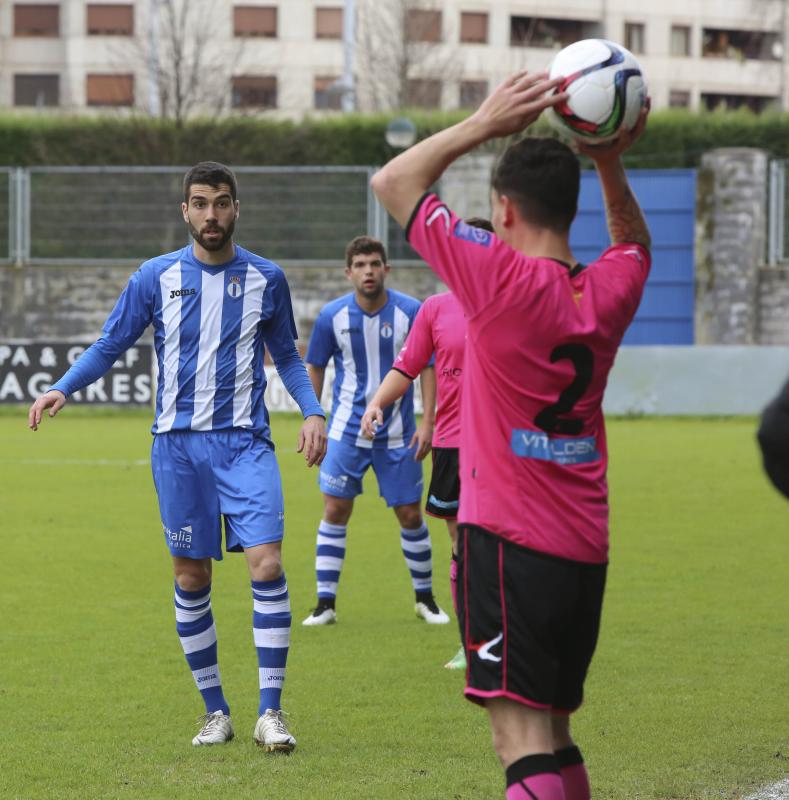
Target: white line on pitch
<point>778,791</point>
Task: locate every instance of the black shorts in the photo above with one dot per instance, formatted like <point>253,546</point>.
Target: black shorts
<point>443,496</point>
<point>528,621</point>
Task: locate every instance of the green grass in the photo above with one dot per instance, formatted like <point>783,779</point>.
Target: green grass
<point>686,697</point>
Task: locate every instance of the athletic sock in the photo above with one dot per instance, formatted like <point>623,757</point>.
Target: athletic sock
<point>535,777</point>
<point>453,582</point>
<point>271,626</point>
<point>574,775</point>
<point>418,556</point>
<point>329,557</point>
<point>194,623</point>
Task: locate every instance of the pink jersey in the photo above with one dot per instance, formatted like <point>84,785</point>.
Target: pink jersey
<point>541,340</point>
<point>440,328</point>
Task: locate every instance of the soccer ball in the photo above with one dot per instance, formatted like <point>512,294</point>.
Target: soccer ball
<point>606,86</point>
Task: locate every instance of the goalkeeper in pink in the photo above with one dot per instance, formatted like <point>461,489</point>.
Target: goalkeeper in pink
<point>439,329</point>
<point>542,334</point>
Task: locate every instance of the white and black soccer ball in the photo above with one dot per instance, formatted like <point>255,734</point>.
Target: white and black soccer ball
<point>606,85</point>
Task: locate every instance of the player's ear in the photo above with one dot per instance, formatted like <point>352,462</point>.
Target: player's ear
<point>238,208</point>
<point>508,211</point>
<point>185,211</point>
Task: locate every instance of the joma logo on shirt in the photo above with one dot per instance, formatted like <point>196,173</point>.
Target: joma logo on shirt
<point>351,330</point>
<point>181,292</point>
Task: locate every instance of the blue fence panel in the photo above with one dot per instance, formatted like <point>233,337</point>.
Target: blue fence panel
<point>668,198</point>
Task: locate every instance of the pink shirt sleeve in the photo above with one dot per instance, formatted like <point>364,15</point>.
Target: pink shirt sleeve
<point>472,262</point>
<point>418,347</point>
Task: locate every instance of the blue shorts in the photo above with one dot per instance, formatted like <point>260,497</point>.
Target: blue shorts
<point>201,477</point>
<point>399,476</point>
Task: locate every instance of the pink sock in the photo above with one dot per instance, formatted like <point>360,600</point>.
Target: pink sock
<point>453,583</point>
<point>547,786</point>
<point>535,777</point>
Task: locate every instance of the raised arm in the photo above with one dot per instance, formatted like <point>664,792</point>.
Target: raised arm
<point>626,221</point>
<point>513,106</point>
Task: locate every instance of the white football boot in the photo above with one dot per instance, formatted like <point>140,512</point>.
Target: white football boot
<point>272,734</point>
<point>322,615</point>
<point>429,611</point>
<point>217,729</point>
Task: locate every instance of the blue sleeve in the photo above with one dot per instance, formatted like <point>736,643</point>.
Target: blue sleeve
<point>321,347</point>
<point>294,375</point>
<point>279,334</point>
<point>131,316</point>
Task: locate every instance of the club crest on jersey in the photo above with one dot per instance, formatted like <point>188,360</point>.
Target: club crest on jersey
<point>471,234</point>
<point>234,286</point>
<point>387,331</point>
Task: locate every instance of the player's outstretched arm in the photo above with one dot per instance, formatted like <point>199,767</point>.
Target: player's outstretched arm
<point>511,108</point>
<point>626,222</point>
<point>52,400</point>
<point>423,435</point>
<point>394,385</point>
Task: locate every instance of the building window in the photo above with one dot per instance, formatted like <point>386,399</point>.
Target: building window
<point>756,103</point>
<point>255,21</point>
<point>741,45</point>
<point>423,26</point>
<point>472,93</point>
<point>328,23</point>
<point>634,37</point>
<point>255,91</point>
<point>110,20</point>
<point>36,20</point>
<point>327,93</point>
<point>679,98</point>
<point>474,28</point>
<point>423,93</point>
<point>680,40</point>
<point>36,90</point>
<point>544,32</point>
<point>110,90</point>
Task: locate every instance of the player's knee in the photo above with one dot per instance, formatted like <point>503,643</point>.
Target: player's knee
<point>409,517</point>
<point>266,567</point>
<point>337,510</point>
<point>191,576</point>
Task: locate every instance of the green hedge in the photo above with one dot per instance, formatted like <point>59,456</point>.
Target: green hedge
<point>673,139</point>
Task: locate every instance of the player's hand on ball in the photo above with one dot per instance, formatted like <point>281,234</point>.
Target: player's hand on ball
<point>517,102</point>
<point>52,400</point>
<point>613,148</point>
<point>372,419</point>
<point>313,440</point>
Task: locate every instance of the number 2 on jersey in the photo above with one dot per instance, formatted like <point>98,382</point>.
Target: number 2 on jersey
<point>549,419</point>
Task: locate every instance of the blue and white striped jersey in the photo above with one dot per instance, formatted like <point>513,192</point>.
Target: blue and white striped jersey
<point>364,347</point>
<point>210,324</point>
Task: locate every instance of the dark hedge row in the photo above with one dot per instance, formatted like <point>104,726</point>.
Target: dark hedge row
<point>673,139</point>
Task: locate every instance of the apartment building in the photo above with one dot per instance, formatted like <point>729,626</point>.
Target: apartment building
<point>286,57</point>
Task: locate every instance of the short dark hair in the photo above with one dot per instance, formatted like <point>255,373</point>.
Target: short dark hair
<point>479,222</point>
<point>364,246</point>
<point>542,177</point>
<point>211,173</point>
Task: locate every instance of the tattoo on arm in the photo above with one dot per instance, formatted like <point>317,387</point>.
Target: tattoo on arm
<point>626,221</point>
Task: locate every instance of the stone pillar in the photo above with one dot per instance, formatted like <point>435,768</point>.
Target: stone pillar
<point>731,226</point>
<point>465,186</point>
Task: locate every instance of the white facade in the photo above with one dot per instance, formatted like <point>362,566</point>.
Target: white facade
<point>754,73</point>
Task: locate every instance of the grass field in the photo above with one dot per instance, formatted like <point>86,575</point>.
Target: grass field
<point>687,697</point>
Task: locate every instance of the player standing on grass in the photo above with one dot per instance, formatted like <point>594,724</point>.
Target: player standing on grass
<point>440,329</point>
<point>213,307</point>
<point>362,332</point>
<point>543,331</point>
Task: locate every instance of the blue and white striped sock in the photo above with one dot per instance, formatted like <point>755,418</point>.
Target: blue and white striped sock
<point>195,625</point>
<point>419,557</point>
<point>329,558</point>
<point>271,626</point>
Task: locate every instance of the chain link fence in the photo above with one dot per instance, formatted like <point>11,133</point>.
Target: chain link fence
<point>51,215</point>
